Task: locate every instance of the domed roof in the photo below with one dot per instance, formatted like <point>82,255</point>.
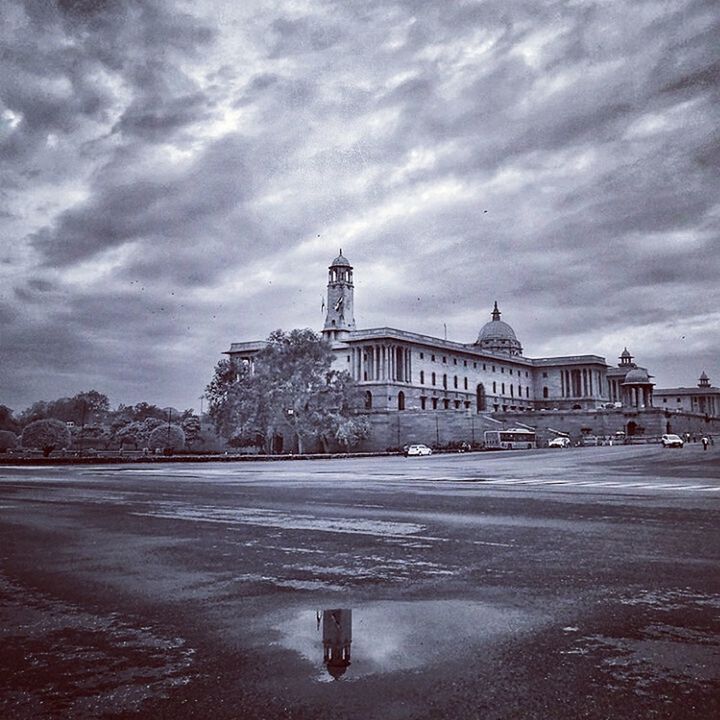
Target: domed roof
<point>637,376</point>
<point>496,330</point>
<point>498,336</point>
<point>340,260</point>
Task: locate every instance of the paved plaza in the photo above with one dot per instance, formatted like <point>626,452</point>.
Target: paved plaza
<point>577,583</point>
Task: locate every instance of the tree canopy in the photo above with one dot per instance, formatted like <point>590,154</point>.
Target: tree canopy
<point>47,435</point>
<point>290,386</point>
<point>167,437</point>
<point>85,407</point>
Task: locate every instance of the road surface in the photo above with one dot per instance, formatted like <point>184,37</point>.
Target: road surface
<point>576,583</point>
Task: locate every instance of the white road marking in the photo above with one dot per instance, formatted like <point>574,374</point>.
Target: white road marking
<point>639,485</point>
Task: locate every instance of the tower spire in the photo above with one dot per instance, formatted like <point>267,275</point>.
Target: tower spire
<point>339,319</point>
<point>495,312</point>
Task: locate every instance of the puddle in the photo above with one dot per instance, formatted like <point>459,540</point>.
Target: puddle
<point>384,637</point>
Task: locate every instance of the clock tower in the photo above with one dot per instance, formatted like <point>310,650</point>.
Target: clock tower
<point>339,319</point>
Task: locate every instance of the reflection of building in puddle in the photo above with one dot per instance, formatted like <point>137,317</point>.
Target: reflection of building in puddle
<point>336,637</point>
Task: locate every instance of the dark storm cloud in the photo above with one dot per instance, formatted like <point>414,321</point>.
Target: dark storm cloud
<point>562,158</point>
<point>173,209</point>
<point>62,64</point>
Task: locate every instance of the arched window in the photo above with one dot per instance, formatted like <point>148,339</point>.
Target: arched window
<point>433,378</point>
<point>546,392</point>
<point>422,377</point>
<point>368,400</point>
<point>480,396</point>
<point>455,381</point>
<point>445,381</point>
<point>401,400</point>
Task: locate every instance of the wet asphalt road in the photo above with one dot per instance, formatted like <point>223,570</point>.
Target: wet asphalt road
<point>580,583</point>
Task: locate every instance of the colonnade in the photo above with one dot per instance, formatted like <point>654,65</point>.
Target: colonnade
<point>381,361</point>
<point>637,396</point>
<point>581,382</point>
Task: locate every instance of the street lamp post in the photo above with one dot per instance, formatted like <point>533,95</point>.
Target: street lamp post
<point>82,427</point>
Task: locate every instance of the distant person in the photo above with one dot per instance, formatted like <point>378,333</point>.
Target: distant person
<point>705,443</point>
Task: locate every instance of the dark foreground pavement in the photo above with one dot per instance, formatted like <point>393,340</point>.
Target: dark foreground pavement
<point>549,584</point>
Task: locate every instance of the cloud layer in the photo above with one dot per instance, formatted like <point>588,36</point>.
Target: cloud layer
<point>177,175</point>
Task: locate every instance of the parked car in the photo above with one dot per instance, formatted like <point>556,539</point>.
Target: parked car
<point>559,442</point>
<point>671,441</point>
<point>418,449</point>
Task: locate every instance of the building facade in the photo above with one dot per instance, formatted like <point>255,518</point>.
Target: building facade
<point>703,399</point>
<point>420,375</point>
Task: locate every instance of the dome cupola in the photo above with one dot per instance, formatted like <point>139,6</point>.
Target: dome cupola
<point>498,337</point>
<point>637,376</point>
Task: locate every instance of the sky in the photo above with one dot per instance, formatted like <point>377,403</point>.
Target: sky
<point>176,176</point>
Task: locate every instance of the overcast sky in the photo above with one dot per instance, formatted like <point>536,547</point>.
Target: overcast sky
<point>175,176</point>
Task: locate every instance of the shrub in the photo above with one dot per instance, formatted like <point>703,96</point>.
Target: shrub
<point>8,440</point>
<point>171,438</point>
<point>137,433</point>
<point>46,435</point>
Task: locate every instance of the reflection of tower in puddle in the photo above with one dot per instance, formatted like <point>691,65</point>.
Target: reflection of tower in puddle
<point>337,637</point>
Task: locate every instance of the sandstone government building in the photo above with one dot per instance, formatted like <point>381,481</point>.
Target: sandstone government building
<point>419,388</point>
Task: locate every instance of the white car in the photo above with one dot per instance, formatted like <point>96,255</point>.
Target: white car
<point>418,449</point>
<point>671,441</point>
<point>559,442</point>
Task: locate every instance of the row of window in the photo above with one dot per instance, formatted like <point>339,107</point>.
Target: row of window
<point>445,403</point>
<point>475,365</point>
<point>433,380</point>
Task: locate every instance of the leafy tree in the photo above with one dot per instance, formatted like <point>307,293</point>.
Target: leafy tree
<point>167,437</point>
<point>95,436</point>
<point>85,407</point>
<point>46,435</point>
<point>7,421</point>
<point>8,440</point>
<point>350,430</point>
<point>37,411</point>
<point>91,406</point>
<point>237,406</point>
<point>190,424</point>
<point>144,411</point>
<point>291,387</point>
<point>137,433</point>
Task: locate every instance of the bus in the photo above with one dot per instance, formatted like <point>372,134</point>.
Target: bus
<point>512,439</point>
